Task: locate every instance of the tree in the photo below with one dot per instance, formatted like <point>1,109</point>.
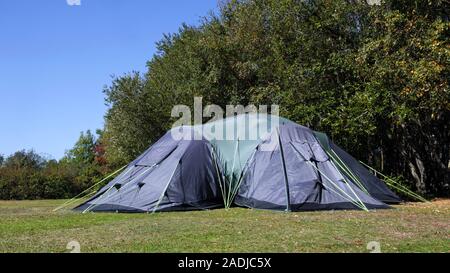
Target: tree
<point>82,158</point>
<point>28,175</point>
<point>404,62</point>
<point>135,119</point>
<point>83,151</point>
<point>99,149</point>
<point>25,160</point>
<point>375,78</point>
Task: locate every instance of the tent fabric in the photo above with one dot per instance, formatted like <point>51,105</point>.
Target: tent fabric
<point>267,161</point>
<point>375,187</point>
<point>171,175</point>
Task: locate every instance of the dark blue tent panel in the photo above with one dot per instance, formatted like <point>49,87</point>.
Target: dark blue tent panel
<point>171,175</point>
<point>375,186</point>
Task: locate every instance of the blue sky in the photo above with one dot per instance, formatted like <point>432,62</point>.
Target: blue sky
<point>55,60</point>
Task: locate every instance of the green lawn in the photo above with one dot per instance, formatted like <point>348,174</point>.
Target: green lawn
<point>31,226</point>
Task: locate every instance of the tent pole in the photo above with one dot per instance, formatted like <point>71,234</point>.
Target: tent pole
<point>286,181</point>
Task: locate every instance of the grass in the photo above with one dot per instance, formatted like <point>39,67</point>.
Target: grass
<point>31,226</point>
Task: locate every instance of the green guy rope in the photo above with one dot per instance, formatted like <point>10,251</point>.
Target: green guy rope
<point>91,187</point>
<point>96,202</point>
<point>213,153</point>
<point>347,170</point>
<point>231,189</point>
<point>391,182</point>
<point>348,198</point>
<point>351,189</point>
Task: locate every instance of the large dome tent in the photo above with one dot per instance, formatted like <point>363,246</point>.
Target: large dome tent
<point>251,160</point>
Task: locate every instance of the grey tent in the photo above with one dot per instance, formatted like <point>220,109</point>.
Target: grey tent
<point>251,160</point>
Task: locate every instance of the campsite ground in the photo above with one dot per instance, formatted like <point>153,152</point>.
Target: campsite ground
<point>31,226</point>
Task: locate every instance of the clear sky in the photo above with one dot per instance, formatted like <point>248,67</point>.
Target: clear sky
<point>55,60</point>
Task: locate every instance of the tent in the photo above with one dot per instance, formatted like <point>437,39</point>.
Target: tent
<point>250,160</point>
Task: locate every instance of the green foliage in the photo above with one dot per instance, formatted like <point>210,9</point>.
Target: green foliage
<point>375,78</point>
<point>134,120</point>
<point>24,160</point>
<point>27,175</point>
<point>84,150</point>
<point>84,158</point>
<point>403,61</point>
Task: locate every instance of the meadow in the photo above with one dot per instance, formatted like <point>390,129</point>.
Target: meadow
<point>32,226</point>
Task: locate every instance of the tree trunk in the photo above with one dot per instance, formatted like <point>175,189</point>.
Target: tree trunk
<point>426,153</point>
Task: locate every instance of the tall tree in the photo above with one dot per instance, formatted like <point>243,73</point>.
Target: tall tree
<point>25,160</point>
<point>374,77</point>
<point>83,151</point>
<point>404,62</point>
<point>82,158</point>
